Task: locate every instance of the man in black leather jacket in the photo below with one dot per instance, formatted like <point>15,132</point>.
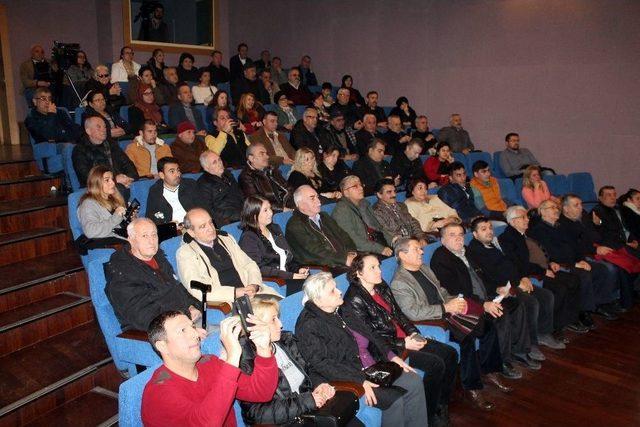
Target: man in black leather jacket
<point>219,190</point>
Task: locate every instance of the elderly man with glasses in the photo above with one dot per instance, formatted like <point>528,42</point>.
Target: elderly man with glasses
<point>46,123</point>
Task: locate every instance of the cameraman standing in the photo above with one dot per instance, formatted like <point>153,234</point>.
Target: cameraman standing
<point>153,28</point>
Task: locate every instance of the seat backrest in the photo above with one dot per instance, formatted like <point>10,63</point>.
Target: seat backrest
<point>372,199</point>
<point>78,115</point>
<point>165,113</point>
<point>508,190</point>
<point>499,229</point>
<point>401,196</point>
<point>124,143</point>
<point>236,173</point>
<point>328,207</point>
<point>387,110</point>
<point>124,112</point>
<point>460,157</point>
<point>70,172</point>
<point>497,169</point>
<point>281,219</point>
<point>284,170</point>
<point>581,183</point>
<point>269,107</point>
<point>474,156</point>
<point>72,204</point>
<point>203,111</point>
<point>290,308</point>
<point>130,398</point>
<point>518,186</point>
<point>170,247</point>
<point>299,110</point>
<point>558,184</point>
<point>428,252</point>
<point>342,283</point>
<point>234,230</point>
<point>140,191</point>
<point>225,87</point>
<point>388,267</point>
<point>193,176</point>
<point>468,237</point>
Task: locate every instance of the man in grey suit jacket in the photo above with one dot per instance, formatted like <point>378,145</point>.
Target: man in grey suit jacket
<point>420,296</point>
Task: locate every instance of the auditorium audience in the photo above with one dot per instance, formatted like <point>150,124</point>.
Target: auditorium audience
<point>269,86</point>
<point>187,148</point>
<point>296,92</point>
<point>404,111</point>
<point>304,171</point>
<point>146,149</point>
<point>372,301</point>
<point>498,271</point>
<point>458,195</point>
<point>263,241</point>
<point>219,192</point>
<point>438,167</point>
<point>431,212</point>
<point>247,83</point>
<point>276,144</point>
<point>295,394</point>
<point>421,297</point>
<point>406,162</point>
<point>366,134</point>
<point>250,113</point>
<point>486,191</point>
<point>157,65</point>
<point>94,148</point>
<point>460,275</point>
<point>101,210</point>
<point>306,133</point>
<point>393,216</point>
<point>338,346</point>
<point>145,109</point>
<point>534,189</point>
<point>314,237</point>
<point>355,97</point>
<point>187,72</point>
<point>338,136</point>
<point>228,141</point>
<point>457,137</point>
<point>427,137</point>
<point>307,77</point>
<point>100,82</point>
<point>521,250</point>
<point>185,110</point>
<point>348,109</point>
<point>371,106</point>
<point>278,74</point>
<point>36,72</point>
<point>125,67</point>
<point>169,86</point>
<point>141,283</point>
<point>189,386</point>
<point>260,179</point>
<point>286,115</point>
<point>354,215</point>
<point>117,127</point>
<point>238,61</point>
<point>395,137</point>
<point>215,259</point>
<point>264,62</point>
<point>204,91</point>
<point>514,159</point>
<point>332,169</point>
<point>46,123</point>
<point>219,73</point>
<point>597,284</point>
<point>372,167</point>
<point>172,196</point>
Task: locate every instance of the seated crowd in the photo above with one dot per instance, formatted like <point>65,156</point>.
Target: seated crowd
<point>528,276</point>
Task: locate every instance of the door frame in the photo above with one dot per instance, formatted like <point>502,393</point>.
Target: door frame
<point>14,130</point>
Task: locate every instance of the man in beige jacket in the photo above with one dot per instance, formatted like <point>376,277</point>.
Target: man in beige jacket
<point>216,260</point>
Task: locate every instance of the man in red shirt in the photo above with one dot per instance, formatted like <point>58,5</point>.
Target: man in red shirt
<point>191,389</point>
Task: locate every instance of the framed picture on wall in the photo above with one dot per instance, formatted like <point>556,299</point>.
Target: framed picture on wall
<point>171,25</point>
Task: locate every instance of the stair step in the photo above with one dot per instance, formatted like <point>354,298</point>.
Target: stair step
<point>29,324</point>
<point>29,374</point>
<point>34,212</point>
<point>28,186</point>
<point>98,407</point>
<point>18,169</point>
<point>35,243</point>
<point>10,154</point>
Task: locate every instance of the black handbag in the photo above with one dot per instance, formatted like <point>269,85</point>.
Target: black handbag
<point>337,412</point>
<point>383,373</point>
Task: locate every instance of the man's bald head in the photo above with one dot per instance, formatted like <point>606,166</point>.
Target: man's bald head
<point>96,130</point>
<point>307,200</point>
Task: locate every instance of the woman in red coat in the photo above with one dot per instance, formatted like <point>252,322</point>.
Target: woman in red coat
<point>436,168</point>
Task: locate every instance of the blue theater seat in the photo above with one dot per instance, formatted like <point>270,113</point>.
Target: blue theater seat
<point>234,230</point>
<point>497,169</point>
<point>581,184</point>
<point>140,191</point>
<point>558,184</point>
<point>474,156</point>
<point>281,219</point>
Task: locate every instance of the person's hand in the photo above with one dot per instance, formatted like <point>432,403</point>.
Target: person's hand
<point>595,218</point>
<point>396,180</point>
<point>465,151</point>
<point>412,344</point>
<point>526,285</point>
<point>440,223</point>
<point>288,126</point>
<point>251,290</point>
<point>493,308</point>
<point>357,125</point>
<point>229,331</point>
<point>369,395</point>
<point>120,210</point>
<point>502,291</point>
<point>350,257</point>
<point>554,266</point>
<point>584,265</point>
<point>455,306</point>
<point>260,335</point>
<point>300,276</point>
<point>242,127</point>
<point>633,244</point>
<point>405,367</point>
<point>52,107</point>
<point>287,161</point>
<point>202,133</point>
<point>194,313</point>
<point>603,250</point>
<point>117,132</point>
<point>430,137</point>
<point>432,185</point>
<point>550,274</point>
<point>404,107</point>
<point>322,394</point>
<point>404,139</point>
<point>387,252</point>
<point>239,292</point>
<point>153,83</point>
<point>351,157</point>
<point>256,124</point>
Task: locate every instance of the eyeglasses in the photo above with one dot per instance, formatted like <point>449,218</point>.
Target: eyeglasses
<point>44,98</point>
<point>353,186</point>
<point>102,76</point>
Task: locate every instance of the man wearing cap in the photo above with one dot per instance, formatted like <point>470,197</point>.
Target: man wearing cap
<point>187,148</point>
<point>339,136</point>
<point>246,83</point>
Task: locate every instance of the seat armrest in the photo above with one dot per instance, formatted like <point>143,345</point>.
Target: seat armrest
<point>134,334</point>
<point>217,305</point>
<point>279,280</point>
<point>354,388</point>
<point>318,267</point>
